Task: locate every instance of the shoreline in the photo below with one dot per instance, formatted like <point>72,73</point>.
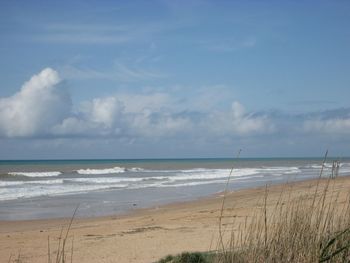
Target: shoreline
<point>117,203</point>
<point>145,234</point>
<point>107,188</point>
<point>135,210</point>
<point>141,210</point>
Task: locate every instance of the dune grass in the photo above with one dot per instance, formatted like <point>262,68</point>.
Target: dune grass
<point>306,228</point>
<point>296,228</point>
<point>187,257</point>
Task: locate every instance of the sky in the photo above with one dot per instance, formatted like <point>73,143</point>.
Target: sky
<point>174,79</point>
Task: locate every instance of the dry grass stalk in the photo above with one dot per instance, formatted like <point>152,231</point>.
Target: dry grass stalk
<point>222,246</point>
<point>61,254</point>
<point>312,227</point>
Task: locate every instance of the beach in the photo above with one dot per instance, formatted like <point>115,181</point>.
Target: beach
<point>174,131</point>
<point>146,235</point>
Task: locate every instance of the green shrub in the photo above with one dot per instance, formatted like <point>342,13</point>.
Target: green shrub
<point>188,257</point>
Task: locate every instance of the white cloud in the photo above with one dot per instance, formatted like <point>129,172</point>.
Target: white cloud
<point>105,111</point>
<point>331,126</point>
<point>40,103</point>
<point>238,122</point>
<point>98,117</point>
<point>73,126</point>
<point>237,110</point>
<point>43,108</point>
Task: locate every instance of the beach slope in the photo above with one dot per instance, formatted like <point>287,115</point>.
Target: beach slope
<point>146,235</point>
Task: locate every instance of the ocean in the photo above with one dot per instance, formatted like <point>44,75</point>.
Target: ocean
<point>53,188</point>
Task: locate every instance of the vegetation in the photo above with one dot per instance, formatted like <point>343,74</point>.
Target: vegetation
<point>314,227</point>
<point>310,228</point>
<point>187,257</point>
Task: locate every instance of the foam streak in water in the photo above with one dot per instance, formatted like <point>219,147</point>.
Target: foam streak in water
<point>36,174</point>
<point>113,170</point>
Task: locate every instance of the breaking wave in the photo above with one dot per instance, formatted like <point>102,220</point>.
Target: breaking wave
<point>35,174</point>
<point>114,170</point>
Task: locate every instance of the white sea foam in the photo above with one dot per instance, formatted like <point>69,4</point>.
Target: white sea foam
<point>119,177</point>
<point>283,170</point>
<point>200,175</point>
<point>113,170</point>
<point>114,180</point>
<point>183,183</point>
<point>313,166</point>
<point>210,174</point>
<point>26,183</point>
<point>135,169</point>
<point>319,166</point>
<point>52,190</point>
<point>36,174</point>
<point>326,166</point>
<point>104,180</point>
<point>10,183</point>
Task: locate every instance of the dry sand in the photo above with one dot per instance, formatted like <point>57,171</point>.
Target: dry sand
<point>148,234</point>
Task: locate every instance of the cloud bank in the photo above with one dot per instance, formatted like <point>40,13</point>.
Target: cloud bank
<point>43,108</point>
<point>333,126</point>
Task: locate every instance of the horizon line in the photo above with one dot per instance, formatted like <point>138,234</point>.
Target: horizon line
<point>174,158</point>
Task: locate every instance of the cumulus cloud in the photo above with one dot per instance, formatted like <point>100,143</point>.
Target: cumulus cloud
<point>238,122</point>
<point>40,104</point>
<point>104,111</point>
<point>43,108</point>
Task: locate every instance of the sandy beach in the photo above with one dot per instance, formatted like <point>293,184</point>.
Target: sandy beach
<point>146,235</point>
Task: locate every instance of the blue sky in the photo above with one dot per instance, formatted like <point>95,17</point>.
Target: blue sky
<point>146,79</point>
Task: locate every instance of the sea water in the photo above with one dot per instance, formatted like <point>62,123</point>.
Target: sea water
<point>53,188</point>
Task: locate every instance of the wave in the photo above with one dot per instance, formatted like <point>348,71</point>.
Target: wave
<point>113,170</point>
<point>86,180</point>
<point>201,174</point>
<point>26,183</point>
<point>113,180</point>
<point>135,169</point>
<point>10,183</point>
<point>35,174</point>
<point>102,180</point>
<point>209,174</point>
<point>53,190</point>
<point>326,166</point>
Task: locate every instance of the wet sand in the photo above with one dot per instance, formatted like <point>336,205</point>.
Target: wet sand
<point>146,235</point>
